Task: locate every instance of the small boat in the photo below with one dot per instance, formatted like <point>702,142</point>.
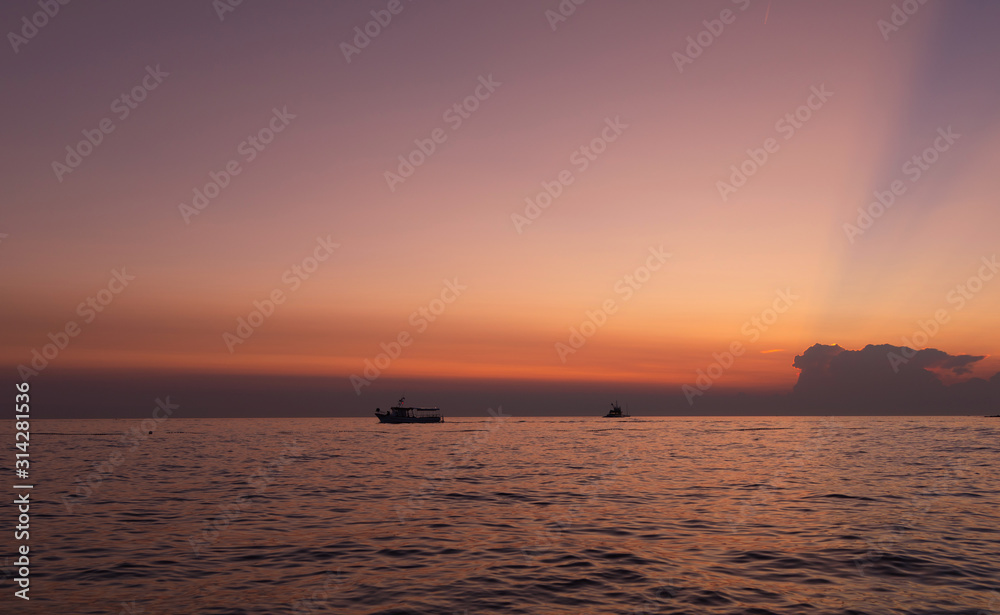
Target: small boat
<point>405,414</point>
<point>616,412</point>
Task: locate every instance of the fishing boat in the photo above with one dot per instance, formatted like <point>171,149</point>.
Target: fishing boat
<point>408,414</point>
<point>616,412</point>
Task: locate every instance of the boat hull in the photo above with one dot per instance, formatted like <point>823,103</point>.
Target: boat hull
<point>385,418</point>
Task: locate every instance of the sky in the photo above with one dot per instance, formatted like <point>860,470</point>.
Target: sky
<point>475,199</point>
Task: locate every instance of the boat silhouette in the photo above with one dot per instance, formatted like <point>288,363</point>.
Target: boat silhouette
<point>409,414</point>
<point>616,412</point>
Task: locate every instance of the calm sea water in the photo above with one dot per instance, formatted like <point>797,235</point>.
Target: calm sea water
<point>538,515</point>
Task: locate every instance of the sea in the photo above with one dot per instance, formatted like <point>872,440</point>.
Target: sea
<point>507,514</point>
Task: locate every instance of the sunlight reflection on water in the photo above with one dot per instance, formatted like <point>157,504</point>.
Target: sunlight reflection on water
<point>538,515</point>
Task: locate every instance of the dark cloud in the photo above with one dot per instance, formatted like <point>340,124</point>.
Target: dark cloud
<point>960,364</point>
<point>932,358</point>
<point>886,378</point>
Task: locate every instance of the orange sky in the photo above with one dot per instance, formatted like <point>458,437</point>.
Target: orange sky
<point>655,186</point>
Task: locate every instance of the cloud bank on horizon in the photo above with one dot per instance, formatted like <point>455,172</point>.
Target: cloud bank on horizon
<point>884,377</point>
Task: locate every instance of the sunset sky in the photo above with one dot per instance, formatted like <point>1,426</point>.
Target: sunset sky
<point>662,130</point>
